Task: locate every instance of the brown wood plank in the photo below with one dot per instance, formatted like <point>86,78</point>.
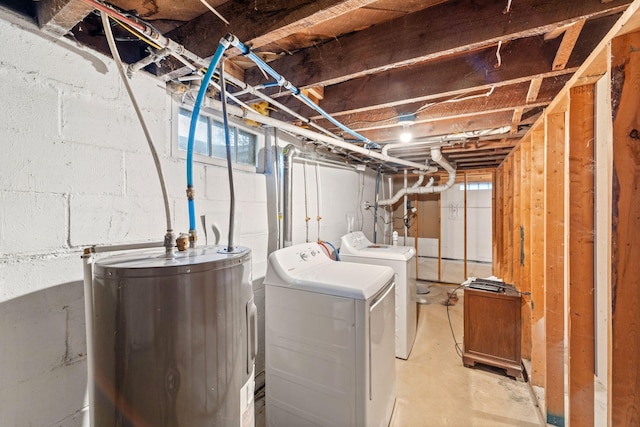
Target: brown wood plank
<point>625,275</point>
<point>503,98</point>
<point>58,17</point>
<point>494,225</point>
<point>568,43</point>
<point>525,218</point>
<point>258,26</point>
<point>515,119</point>
<point>555,267</point>
<point>452,27</point>
<point>534,89</point>
<point>536,261</point>
<point>581,366</point>
<point>508,213</point>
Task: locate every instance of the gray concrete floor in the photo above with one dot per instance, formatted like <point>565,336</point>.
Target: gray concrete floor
<point>433,387</point>
<point>452,271</point>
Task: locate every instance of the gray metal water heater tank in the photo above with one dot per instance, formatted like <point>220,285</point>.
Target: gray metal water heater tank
<point>172,337</point>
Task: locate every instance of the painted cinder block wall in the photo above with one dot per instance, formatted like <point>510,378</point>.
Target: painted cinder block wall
<point>75,171</point>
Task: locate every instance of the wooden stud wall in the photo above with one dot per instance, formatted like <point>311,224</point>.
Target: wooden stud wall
<point>546,185</point>
<point>581,345</point>
<point>625,280</point>
<point>536,231</point>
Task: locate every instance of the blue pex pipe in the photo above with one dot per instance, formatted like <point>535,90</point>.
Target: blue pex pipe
<point>215,61</point>
<point>281,81</point>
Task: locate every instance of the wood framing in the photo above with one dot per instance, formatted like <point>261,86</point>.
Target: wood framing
<point>581,351</point>
<point>555,267</point>
<point>536,262</point>
<point>625,277</point>
<point>568,43</point>
<point>525,222</point>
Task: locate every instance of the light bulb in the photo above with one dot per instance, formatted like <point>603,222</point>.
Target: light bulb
<point>405,136</point>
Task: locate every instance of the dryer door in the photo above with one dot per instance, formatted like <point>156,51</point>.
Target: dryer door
<point>382,369</point>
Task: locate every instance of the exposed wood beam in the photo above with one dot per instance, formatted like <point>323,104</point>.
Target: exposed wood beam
<point>472,73</point>
<point>480,146</point>
<point>447,29</point>
<point>445,127</point>
<point>534,89</point>
<point>515,120</point>
<point>568,43</point>
<point>58,17</point>
<point>254,26</point>
<point>501,99</point>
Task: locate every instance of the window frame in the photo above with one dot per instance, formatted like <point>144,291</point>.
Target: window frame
<point>210,159</point>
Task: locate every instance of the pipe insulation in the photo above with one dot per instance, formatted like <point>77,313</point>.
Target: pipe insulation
<point>436,156</point>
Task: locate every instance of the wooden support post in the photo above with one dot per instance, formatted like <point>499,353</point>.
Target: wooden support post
<point>496,268</point>
<point>555,266</point>
<point>525,265</point>
<point>508,213</point>
<point>581,350</point>
<point>625,274</point>
<point>465,225</point>
<point>494,224</point>
<point>538,346</point>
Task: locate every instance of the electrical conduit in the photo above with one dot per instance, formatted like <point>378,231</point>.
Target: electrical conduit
<point>235,42</point>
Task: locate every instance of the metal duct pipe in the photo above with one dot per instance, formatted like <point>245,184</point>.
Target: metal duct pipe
<point>287,224</point>
<point>436,156</point>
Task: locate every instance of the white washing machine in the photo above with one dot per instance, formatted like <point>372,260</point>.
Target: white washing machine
<point>356,247</point>
<point>329,341</point>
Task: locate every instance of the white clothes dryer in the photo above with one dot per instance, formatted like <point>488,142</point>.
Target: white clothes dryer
<point>329,335</point>
<point>356,247</point>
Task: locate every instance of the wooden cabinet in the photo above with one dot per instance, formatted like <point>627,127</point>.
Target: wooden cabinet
<point>492,330</point>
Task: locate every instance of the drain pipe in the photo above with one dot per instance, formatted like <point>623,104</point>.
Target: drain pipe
<point>436,156</point>
<point>287,224</point>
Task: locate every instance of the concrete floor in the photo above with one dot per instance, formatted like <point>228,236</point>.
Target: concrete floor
<point>452,271</point>
<point>435,389</point>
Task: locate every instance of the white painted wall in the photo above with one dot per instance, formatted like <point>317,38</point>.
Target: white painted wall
<point>75,171</point>
<point>479,232</point>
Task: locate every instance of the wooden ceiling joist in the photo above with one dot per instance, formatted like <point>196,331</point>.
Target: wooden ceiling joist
<point>58,17</point>
<point>446,29</point>
<point>568,43</point>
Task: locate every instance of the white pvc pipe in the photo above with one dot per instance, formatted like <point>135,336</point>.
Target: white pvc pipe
<point>256,117</point>
<point>436,156</point>
<point>87,262</point>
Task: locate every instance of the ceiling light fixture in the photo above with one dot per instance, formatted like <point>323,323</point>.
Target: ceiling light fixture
<point>406,120</point>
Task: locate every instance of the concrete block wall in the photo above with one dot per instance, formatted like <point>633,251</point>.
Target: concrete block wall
<point>75,171</point>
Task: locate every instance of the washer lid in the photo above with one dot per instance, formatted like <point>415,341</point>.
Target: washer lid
<point>307,267</point>
<point>356,244</point>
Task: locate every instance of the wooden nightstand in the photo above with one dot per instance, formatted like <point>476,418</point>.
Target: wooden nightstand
<point>492,329</point>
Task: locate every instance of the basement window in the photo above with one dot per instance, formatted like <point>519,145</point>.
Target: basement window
<point>474,186</point>
<point>209,144</point>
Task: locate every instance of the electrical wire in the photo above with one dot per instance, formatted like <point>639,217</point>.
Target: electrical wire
<point>156,159</point>
<point>137,34</point>
<point>457,344</point>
